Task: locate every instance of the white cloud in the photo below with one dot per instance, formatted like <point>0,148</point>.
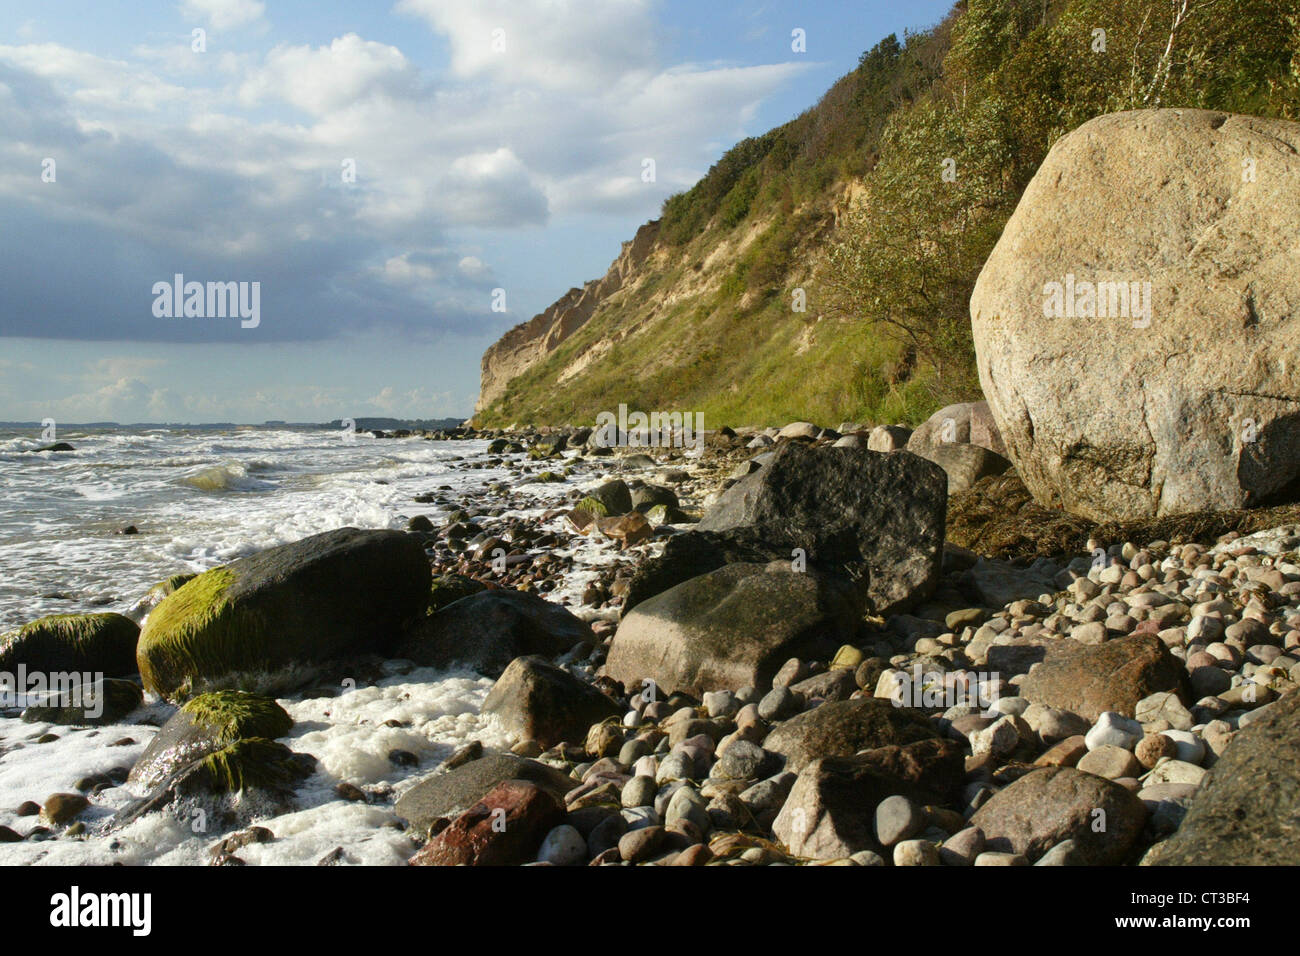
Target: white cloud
<point>224,14</point>
<point>327,79</point>
<point>564,44</point>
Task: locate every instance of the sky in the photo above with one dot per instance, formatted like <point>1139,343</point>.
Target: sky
<point>391,184</point>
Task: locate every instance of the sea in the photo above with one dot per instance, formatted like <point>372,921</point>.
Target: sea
<point>199,498</point>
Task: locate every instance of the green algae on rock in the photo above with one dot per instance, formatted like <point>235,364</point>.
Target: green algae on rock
<point>101,643</point>
<point>291,607</point>
<point>205,725</point>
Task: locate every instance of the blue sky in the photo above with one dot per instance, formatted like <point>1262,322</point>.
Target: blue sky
<point>497,145</point>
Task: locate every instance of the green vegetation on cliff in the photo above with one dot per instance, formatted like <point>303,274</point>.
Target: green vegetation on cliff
<point>878,207</point>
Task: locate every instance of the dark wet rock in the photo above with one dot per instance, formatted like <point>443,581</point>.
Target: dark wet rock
<point>876,518</point>
<point>284,610</point>
<point>1247,810</point>
<point>486,631</point>
<point>451,793</point>
<point>732,627</point>
<point>536,700</point>
<point>93,643</point>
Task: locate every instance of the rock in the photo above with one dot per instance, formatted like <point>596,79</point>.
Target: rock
<point>888,438</point>
<point>487,630</point>
<point>611,499</point>
<point>1153,748</point>
<point>451,793</point>
<point>203,726</point>
<point>949,425</point>
<point>799,430</point>
<point>536,700</point>
<point>962,848</point>
<point>731,627</point>
<point>251,776</point>
<point>965,464</point>
<point>693,553</point>
<point>61,808</point>
<point>843,728</point>
<point>1110,762</point>
<point>1113,417</point>
<point>82,643</point>
<point>1047,806</point>
<point>1113,676</point>
<point>1065,853</point>
<point>1164,706</point>
<point>1248,805</point>
<point>505,828</point>
<point>984,430</point>
<point>1114,730</point>
<point>875,518</point>
<point>641,844</point>
<point>285,609</point>
<point>898,818</point>
<point>830,813</point>
<point>639,792</point>
<point>916,853</point>
<point>1000,859</point>
<point>999,583</point>
<point>449,588</point>
<point>563,846</point>
<point>106,701</point>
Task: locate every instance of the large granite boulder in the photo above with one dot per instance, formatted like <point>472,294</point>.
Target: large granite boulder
<point>733,627</point>
<point>285,610</point>
<point>874,517</point>
<point>1172,388</point>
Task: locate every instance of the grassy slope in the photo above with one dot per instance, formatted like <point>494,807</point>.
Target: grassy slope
<point>706,324</point>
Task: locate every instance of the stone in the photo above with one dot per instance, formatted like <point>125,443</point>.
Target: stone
<point>875,518</point>
<point>80,643</point>
<point>206,725</point>
<point>488,630</point>
<point>843,728</point>
<point>916,853</point>
<point>534,699</point>
<point>898,818</point>
<point>731,627</point>
<point>1110,762</point>
<point>964,464</point>
<point>61,808</point>
<point>1113,676</point>
<point>1114,730</point>
<point>830,812</point>
<point>563,846</point>
<point>451,793</point>
<point>1047,806</point>
<point>1113,417</point>
<point>505,828</point>
<point>282,610</point>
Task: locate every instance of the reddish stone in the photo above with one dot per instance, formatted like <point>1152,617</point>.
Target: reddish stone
<point>505,828</point>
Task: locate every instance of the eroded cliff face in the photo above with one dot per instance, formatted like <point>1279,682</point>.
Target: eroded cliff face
<point>531,342</point>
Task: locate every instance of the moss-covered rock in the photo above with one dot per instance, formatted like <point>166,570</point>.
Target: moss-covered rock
<point>104,702</point>
<point>284,610</point>
<point>99,643</point>
<point>205,725</point>
<point>548,478</point>
<point>449,588</point>
<point>593,506</point>
<point>253,763</point>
